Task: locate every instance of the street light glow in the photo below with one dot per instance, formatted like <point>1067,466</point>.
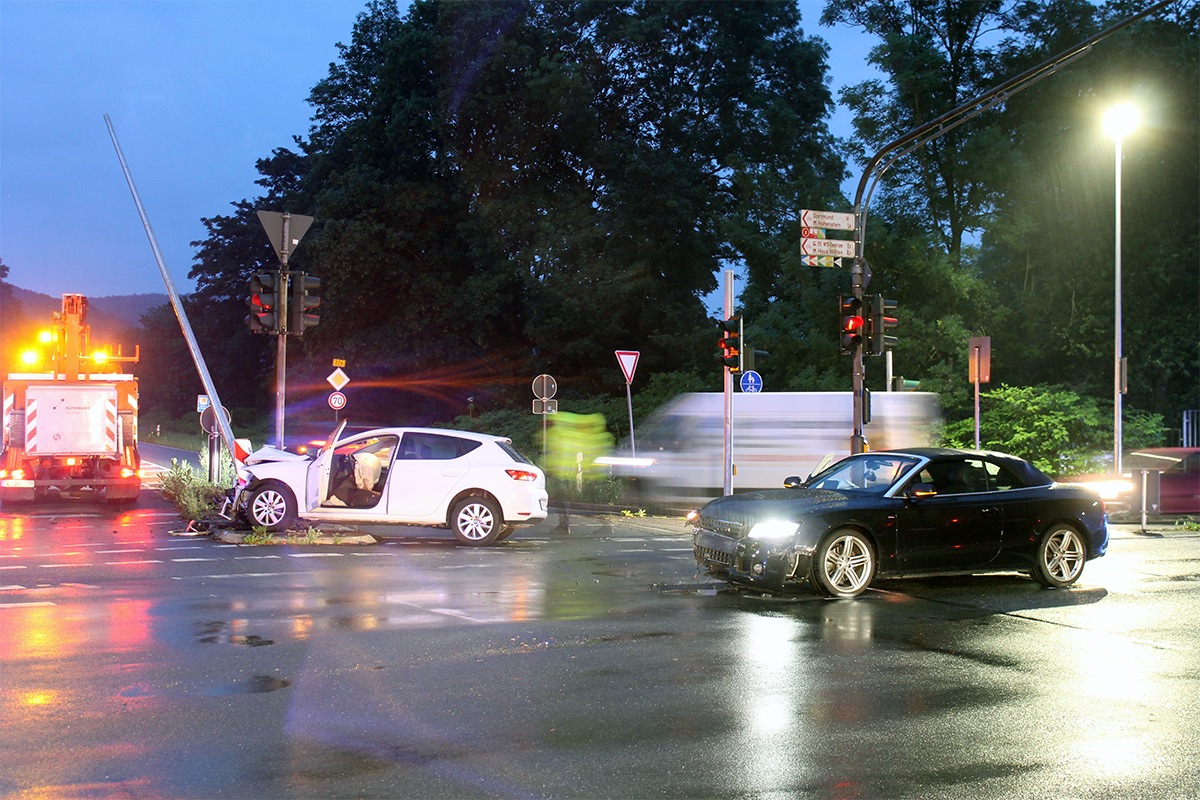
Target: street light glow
<point>1121,120</point>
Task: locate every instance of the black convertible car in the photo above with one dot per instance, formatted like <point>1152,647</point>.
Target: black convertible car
<point>897,513</point>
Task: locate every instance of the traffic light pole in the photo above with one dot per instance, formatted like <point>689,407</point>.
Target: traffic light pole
<point>858,442</point>
<point>727,469</point>
<point>934,129</point>
<point>281,338</point>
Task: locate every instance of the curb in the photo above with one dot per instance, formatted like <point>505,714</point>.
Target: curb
<point>295,538</point>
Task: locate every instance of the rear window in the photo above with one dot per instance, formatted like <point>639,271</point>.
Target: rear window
<point>512,451</point>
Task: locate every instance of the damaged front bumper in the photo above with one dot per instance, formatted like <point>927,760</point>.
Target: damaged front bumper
<point>760,564</point>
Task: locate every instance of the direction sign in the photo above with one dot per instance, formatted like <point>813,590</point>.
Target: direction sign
<point>827,247</point>
<point>812,233</point>
<point>628,360</point>
<point>752,382</point>
<point>338,379</point>
<point>837,220</point>
<point>820,261</point>
<point>337,401</point>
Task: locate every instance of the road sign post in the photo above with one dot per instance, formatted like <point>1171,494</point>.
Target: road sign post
<point>627,360</point>
<point>981,371</point>
<point>544,388</point>
<point>285,231</point>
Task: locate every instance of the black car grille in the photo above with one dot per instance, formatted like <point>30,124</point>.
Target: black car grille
<point>709,555</point>
<point>734,530</point>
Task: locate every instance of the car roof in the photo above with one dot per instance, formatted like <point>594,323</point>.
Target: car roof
<point>399,431</point>
<point>1028,473</point>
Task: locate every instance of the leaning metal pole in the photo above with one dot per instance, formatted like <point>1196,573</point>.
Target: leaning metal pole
<point>185,326</point>
<point>927,133</point>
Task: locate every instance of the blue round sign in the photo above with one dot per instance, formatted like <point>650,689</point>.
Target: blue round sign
<point>752,382</point>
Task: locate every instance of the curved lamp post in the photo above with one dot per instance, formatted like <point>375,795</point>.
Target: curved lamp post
<point>1119,121</point>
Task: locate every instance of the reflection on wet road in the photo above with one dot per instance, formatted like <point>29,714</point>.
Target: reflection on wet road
<point>594,663</point>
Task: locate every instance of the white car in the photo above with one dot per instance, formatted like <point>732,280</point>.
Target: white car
<point>477,485</point>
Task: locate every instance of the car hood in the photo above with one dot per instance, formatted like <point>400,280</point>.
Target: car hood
<point>773,503</point>
<point>268,454</point>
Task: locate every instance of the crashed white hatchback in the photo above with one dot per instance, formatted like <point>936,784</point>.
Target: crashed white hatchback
<point>477,485</point>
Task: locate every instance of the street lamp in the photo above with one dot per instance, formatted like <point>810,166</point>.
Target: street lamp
<point>1119,121</point>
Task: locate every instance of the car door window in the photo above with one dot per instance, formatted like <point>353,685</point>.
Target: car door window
<point>960,476</point>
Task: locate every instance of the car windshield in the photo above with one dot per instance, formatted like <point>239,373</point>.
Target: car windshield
<point>869,473</point>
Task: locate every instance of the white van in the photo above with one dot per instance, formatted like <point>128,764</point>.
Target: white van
<point>680,450</point>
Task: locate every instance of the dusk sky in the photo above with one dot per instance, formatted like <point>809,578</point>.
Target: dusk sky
<point>197,91</point>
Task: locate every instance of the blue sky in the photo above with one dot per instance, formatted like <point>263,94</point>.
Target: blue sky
<point>197,91</point>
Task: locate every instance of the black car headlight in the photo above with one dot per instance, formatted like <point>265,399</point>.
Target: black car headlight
<point>774,530</point>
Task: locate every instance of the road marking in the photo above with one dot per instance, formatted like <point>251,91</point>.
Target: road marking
<point>15,566</point>
<point>216,577</point>
<point>110,552</point>
<point>315,555</point>
<point>189,560</point>
<point>28,605</point>
<point>11,587</point>
<point>126,563</point>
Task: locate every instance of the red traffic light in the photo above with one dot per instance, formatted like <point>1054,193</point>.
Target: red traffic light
<point>852,324</point>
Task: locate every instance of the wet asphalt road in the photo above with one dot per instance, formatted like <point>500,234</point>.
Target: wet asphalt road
<point>594,663</point>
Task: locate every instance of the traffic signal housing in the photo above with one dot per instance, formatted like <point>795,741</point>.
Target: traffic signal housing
<point>881,321</point>
<point>731,343</point>
<point>303,302</point>
<point>850,310</point>
<point>264,303</point>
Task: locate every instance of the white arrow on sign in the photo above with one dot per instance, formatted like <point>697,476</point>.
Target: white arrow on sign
<point>827,247</point>
<point>837,220</point>
<point>628,360</point>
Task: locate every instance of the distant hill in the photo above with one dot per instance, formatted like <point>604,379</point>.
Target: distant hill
<point>114,320</point>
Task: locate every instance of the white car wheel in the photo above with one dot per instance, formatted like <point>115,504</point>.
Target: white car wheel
<point>476,521</point>
<point>271,506</point>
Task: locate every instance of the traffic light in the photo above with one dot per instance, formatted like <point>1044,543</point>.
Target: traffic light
<point>302,302</point>
<point>850,309</point>
<point>731,343</point>
<point>878,340</point>
<point>264,303</point>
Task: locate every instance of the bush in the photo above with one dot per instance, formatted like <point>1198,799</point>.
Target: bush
<point>194,497</point>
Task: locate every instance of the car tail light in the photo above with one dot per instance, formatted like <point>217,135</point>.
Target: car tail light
<point>521,475</point>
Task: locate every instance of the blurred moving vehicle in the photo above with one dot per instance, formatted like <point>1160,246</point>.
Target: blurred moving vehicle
<point>916,511</point>
<point>477,485</point>
<point>1174,470</point>
<point>680,450</point>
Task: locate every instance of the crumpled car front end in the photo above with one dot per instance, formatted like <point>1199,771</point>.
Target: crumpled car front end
<point>752,540</point>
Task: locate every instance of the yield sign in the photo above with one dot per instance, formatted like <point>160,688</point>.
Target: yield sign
<point>628,361</point>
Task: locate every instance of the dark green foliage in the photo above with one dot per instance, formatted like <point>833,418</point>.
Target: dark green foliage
<point>504,189</point>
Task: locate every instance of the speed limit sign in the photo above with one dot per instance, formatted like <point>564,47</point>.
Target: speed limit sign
<point>337,401</point>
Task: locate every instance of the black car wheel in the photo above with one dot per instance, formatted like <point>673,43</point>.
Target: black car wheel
<point>271,506</point>
<point>476,522</point>
<point>1061,555</point>
<point>844,564</point>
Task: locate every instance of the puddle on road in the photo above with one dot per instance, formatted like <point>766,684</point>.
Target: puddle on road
<point>258,684</point>
<point>213,633</point>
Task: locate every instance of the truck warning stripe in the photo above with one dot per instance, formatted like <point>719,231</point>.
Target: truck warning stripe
<point>31,425</point>
<point>110,423</point>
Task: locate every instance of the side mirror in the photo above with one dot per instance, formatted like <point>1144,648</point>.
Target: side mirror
<point>792,482</point>
<point>920,490</point>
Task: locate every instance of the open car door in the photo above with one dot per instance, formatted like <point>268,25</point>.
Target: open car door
<point>316,490</point>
